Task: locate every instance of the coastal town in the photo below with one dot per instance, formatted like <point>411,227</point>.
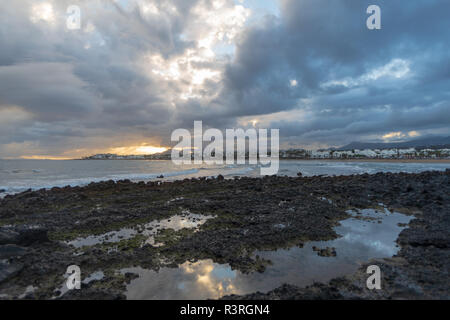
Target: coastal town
<point>302,154</point>
<point>393,153</point>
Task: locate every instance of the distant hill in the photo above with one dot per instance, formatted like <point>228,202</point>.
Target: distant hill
<point>443,142</point>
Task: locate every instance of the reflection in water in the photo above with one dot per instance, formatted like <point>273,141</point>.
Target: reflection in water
<point>185,220</point>
<point>200,280</point>
<point>368,234</point>
<point>95,276</point>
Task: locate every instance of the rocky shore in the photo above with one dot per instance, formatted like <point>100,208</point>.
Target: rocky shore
<point>37,226</point>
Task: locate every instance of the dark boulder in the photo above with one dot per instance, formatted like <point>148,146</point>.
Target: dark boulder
<point>8,270</point>
<point>7,236</point>
<point>92,294</point>
<point>327,252</point>
<point>31,235</point>
<point>23,235</point>
<point>11,250</point>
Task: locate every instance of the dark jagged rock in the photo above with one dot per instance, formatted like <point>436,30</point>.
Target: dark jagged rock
<point>9,270</point>
<point>327,252</point>
<point>8,251</point>
<point>317,291</point>
<point>30,235</point>
<point>92,294</point>
<point>250,214</point>
<point>23,235</point>
<point>8,236</point>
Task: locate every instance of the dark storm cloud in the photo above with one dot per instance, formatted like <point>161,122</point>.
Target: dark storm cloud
<point>62,89</point>
<point>53,86</point>
<point>320,41</point>
<point>49,90</point>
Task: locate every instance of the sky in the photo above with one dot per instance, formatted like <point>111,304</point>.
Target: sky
<point>136,70</point>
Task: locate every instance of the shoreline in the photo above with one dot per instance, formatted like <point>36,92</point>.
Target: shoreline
<point>283,159</point>
<point>377,160</point>
<point>244,211</point>
<point>318,159</point>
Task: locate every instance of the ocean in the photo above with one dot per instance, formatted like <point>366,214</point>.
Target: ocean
<point>20,175</point>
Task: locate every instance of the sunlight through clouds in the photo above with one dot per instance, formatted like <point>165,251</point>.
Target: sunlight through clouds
<point>137,150</point>
<point>191,69</point>
<point>138,69</point>
<point>398,135</point>
<point>42,12</point>
<point>395,69</point>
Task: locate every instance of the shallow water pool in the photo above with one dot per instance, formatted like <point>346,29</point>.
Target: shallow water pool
<point>366,235</point>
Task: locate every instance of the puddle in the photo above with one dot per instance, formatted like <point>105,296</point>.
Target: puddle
<point>95,276</point>
<point>185,220</point>
<point>28,290</point>
<point>201,280</point>
<point>369,234</point>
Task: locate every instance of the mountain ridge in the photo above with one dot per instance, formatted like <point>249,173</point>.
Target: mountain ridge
<point>434,141</point>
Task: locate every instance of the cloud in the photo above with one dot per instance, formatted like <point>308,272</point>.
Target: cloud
<point>127,76</point>
<point>138,69</point>
<point>48,90</point>
<point>352,82</point>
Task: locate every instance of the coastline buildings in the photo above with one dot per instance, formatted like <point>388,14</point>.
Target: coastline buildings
<point>392,153</point>
<point>112,156</point>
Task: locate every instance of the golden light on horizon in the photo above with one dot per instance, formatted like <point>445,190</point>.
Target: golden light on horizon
<point>150,150</point>
<point>401,135</point>
<point>38,157</point>
<point>392,135</point>
<point>137,150</point>
<point>121,151</point>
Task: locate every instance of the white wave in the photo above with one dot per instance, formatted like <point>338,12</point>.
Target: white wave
<point>48,184</point>
<point>149,176</point>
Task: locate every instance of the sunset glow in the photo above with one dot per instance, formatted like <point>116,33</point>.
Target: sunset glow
<point>150,150</point>
<point>39,157</point>
<point>137,150</point>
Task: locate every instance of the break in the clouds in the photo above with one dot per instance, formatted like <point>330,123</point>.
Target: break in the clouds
<point>138,69</point>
